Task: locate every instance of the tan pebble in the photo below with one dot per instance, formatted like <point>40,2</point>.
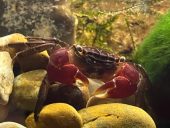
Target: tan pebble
<point>58,115</point>
<point>11,125</point>
<point>115,115</point>
<point>26,87</point>
<point>6,77</point>
<point>30,123</point>
<point>12,38</point>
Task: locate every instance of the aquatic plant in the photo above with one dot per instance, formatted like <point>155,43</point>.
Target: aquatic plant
<point>154,55</point>
<point>154,51</point>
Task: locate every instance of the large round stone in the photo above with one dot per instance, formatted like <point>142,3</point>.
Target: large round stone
<point>26,88</point>
<point>58,115</point>
<point>115,115</point>
<point>44,18</point>
<point>6,77</point>
<point>11,125</point>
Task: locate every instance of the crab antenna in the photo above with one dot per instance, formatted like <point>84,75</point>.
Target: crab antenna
<point>43,91</point>
<point>33,50</point>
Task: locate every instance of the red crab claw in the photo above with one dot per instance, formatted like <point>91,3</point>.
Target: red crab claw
<point>130,72</point>
<point>59,58</point>
<point>122,85</point>
<point>60,70</point>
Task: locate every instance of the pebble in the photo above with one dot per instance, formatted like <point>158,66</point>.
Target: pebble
<point>6,77</point>
<point>115,115</point>
<point>58,115</point>
<point>11,125</point>
<point>3,112</point>
<point>26,88</point>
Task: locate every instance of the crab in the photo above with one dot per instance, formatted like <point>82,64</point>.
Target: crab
<point>74,64</point>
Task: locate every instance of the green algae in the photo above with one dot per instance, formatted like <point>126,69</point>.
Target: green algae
<point>154,55</point>
<point>154,52</point>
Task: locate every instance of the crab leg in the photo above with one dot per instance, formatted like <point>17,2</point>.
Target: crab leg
<point>61,70</point>
<point>123,84</point>
<point>33,50</point>
<point>144,88</point>
<point>43,91</point>
<point>56,40</point>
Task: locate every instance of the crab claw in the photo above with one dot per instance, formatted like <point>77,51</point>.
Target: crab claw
<point>123,84</point>
<point>59,58</point>
<point>60,70</point>
<point>130,72</point>
<point>68,74</point>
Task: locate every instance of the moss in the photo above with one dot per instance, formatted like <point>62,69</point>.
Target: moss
<point>154,55</point>
<point>154,51</point>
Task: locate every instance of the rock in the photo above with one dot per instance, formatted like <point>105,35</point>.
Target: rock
<point>30,123</point>
<point>4,112</point>
<point>6,77</point>
<point>71,95</point>
<point>16,115</point>
<point>115,115</point>
<point>11,125</point>
<point>58,115</point>
<point>14,43</point>
<point>94,84</point>
<point>33,62</point>
<point>95,100</point>
<point>38,18</point>
<point>2,7</point>
<point>12,38</point>
<point>26,87</point>
<point>7,40</point>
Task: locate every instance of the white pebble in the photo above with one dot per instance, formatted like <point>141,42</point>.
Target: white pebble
<point>6,77</point>
<point>11,125</point>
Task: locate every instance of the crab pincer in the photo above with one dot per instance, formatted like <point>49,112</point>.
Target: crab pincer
<point>123,84</point>
<point>59,70</point>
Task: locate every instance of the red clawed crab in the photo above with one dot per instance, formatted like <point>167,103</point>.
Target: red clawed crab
<point>67,65</point>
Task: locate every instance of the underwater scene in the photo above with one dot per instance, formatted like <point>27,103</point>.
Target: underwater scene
<point>84,64</point>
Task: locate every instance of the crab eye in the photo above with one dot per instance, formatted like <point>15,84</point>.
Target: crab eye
<point>79,49</point>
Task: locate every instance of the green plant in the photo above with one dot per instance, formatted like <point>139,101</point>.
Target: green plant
<point>154,51</point>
